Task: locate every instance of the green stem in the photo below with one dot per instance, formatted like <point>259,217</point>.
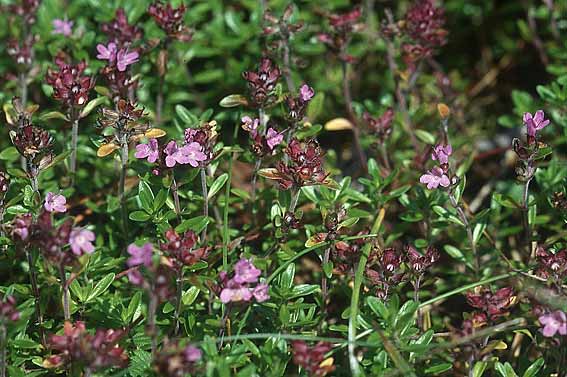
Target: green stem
<point>2,350</point>
<point>469,230</point>
<point>122,184</point>
<point>353,317</point>
<point>175,193</point>
<point>179,287</point>
<point>65,292</point>
<point>35,292</point>
<point>225,232</point>
<point>205,202</point>
<point>74,142</point>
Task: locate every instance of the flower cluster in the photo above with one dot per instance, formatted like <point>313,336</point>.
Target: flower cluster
<point>32,142</point>
<point>438,175</point>
<point>312,359</point>
<point>8,311</point>
<point>172,154</point>
<point>297,106</point>
<point>553,323</point>
<point>492,304</point>
<point>4,184</point>
<point>528,152</point>
<point>142,256</point>
<point>381,127</point>
<point>21,52</point>
<point>79,347</point>
<point>180,249</point>
<point>262,145</point>
<point>551,265</point>
<point>119,58</point>
<point>423,26</point>
<point>243,286</point>
<point>343,26</point>
<point>304,168</point>
<point>27,9</point>
<point>175,361</point>
<point>281,28</point>
<point>261,83</point>
<point>204,139</point>
<point>170,20</point>
<point>55,203</point>
<point>69,84</point>
<point>119,31</point>
<point>63,27</point>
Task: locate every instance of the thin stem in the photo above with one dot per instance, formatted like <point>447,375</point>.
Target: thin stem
<point>159,100</point>
<point>65,292</point>
<point>353,317</point>
<point>225,232</point>
<point>35,292</point>
<point>179,287</point>
<point>152,308</point>
<point>416,287</point>
<point>286,66</point>
<point>176,203</point>
<point>294,200</point>
<point>2,350</point>
<point>385,159</point>
<point>355,131</point>
<point>468,228</point>
<point>205,201</point>
<point>525,216</point>
<point>324,287</point>
<point>121,187</point>
<point>74,141</point>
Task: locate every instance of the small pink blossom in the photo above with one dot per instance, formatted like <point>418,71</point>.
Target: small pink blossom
<point>140,255</point>
<point>63,27</point>
<point>250,125</point>
<point>535,123</point>
<point>260,292</point>
<point>555,322</point>
<point>192,353</point>
<point>434,178</point>
<point>245,272</point>
<point>306,93</point>
<point>107,52</point>
<point>125,58</point>
<point>188,154</point>
<point>81,241</point>
<point>240,293</point>
<point>441,153</point>
<point>55,203</point>
<point>150,150</point>
<point>273,138</point>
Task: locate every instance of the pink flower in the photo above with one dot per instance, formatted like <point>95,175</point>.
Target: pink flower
<point>240,293</point>
<point>188,154</point>
<point>434,178</point>
<point>535,123</point>
<point>135,277</point>
<point>140,255</point>
<point>260,292</point>
<point>273,138</point>
<point>441,153</point>
<point>245,272</point>
<point>306,93</point>
<point>107,52</point>
<point>555,322</point>
<point>150,150</point>
<point>55,203</point>
<point>63,27</point>
<point>125,58</point>
<point>250,125</point>
<point>81,241</point>
<point>192,353</point>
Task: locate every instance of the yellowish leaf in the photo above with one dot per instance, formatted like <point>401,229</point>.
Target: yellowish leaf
<point>155,133</point>
<point>338,124</point>
<point>444,110</point>
<point>106,149</point>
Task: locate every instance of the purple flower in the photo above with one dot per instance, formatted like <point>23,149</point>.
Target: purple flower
<point>125,58</point>
<point>441,153</point>
<point>306,93</point>
<point>140,255</point>
<point>55,203</point>
<point>240,293</point>
<point>107,52</point>
<point>135,277</point>
<point>245,272</point>
<point>260,292</point>
<point>192,353</point>
<point>273,138</point>
<point>434,178</point>
<point>63,27</point>
<point>535,123</point>
<point>150,150</point>
<point>553,323</point>
<point>81,241</point>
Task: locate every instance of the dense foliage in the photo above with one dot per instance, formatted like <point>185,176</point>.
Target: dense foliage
<point>270,188</point>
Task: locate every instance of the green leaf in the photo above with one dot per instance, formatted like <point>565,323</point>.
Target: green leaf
<point>53,115</point>
<point>140,216</point>
<point>286,277</point>
<point>479,368</point>
<point>440,368</point>
<point>533,369</point>
<point>146,196</point>
<point>134,308</point>
<point>505,370</point>
<point>186,116</point>
<point>328,269</point>
<point>378,307</point>
<point>25,343</point>
<point>100,287</point>
<point>190,295</point>
<point>196,224</point>
<point>58,159</point>
<point>92,105</point>
<point>545,93</point>
<point>217,185</point>
<point>9,154</point>
<point>425,136</point>
<point>315,107</point>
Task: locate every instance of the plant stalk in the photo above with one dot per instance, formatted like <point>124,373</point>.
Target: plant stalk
<point>35,292</point>
<point>65,292</point>
<point>122,184</point>
<point>468,228</point>
<point>74,142</point>
<point>3,350</point>
<point>205,202</point>
<point>179,287</point>
<point>175,193</point>
<point>350,111</point>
